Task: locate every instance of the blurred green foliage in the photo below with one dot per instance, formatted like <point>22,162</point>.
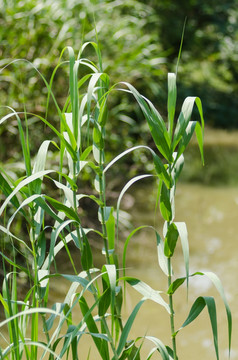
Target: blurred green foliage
<point>209,66</point>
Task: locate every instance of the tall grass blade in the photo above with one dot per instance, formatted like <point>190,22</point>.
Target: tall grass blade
<point>127,328</point>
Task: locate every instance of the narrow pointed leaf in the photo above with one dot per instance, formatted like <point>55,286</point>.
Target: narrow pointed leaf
<point>127,328</point>
<point>197,308</point>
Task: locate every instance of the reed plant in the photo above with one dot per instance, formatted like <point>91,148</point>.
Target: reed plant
<point>52,224</point>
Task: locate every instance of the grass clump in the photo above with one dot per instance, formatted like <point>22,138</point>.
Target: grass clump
<point>51,222</point>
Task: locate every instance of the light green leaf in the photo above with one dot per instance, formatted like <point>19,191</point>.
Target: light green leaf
<point>177,166</point>
<point>162,259</point>
<point>171,105</point>
<point>147,291</point>
<point>186,137</point>
<point>23,183</point>
<point>159,346</point>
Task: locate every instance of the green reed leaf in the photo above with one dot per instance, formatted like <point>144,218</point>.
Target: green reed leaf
<point>162,259</point>
<point>38,310</point>
<point>92,327</point>
<point>216,281</point>
<point>7,190</point>
<point>86,253</point>
<point>186,137</point>
<point>127,328</point>
<point>171,105</point>
<point>160,170</point>
<point>69,212</point>
<point>103,113</point>
<point>171,240</point>
<point>23,183</point>
<point>39,164</point>
<point>97,137</point>
<point>197,308</point>
<point>159,346</point>
<point>183,121</point>
<point>110,225</point>
<point>165,205</point>
<point>199,134</point>
<point>177,166</point>
<point>155,122</point>
<point>104,301</point>
<point>147,291</point>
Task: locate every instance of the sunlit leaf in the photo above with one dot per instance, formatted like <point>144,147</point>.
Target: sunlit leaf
<point>171,105</point>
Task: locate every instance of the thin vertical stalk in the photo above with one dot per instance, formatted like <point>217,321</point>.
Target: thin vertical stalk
<point>102,207</point>
<point>172,329</point>
<point>75,203</point>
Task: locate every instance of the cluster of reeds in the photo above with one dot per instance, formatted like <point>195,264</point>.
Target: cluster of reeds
<point>53,224</point>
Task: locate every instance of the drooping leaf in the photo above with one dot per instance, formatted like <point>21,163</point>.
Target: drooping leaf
<point>216,281</point>
<point>155,122</point>
<point>147,291</point>
<point>197,308</point>
<point>160,347</point>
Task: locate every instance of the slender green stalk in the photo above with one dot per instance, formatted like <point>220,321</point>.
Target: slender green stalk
<point>102,208</point>
<point>172,327</point>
